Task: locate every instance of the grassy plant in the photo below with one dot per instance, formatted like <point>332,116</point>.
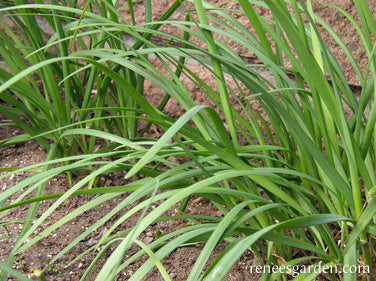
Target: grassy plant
<point>43,86</point>
<point>308,114</point>
<point>314,163</point>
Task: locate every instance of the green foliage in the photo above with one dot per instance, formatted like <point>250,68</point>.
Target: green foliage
<point>50,88</point>
<point>308,167</point>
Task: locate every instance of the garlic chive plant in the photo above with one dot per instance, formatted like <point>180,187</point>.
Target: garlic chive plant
<point>305,180</point>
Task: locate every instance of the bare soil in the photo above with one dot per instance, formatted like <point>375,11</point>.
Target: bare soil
<point>179,263</point>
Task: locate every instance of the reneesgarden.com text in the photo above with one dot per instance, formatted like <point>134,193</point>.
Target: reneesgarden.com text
<point>296,270</point>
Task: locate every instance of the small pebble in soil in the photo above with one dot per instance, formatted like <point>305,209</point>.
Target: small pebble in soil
<point>91,242</point>
<point>147,240</point>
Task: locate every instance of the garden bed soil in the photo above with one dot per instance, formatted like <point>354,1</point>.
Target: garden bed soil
<point>178,264</point>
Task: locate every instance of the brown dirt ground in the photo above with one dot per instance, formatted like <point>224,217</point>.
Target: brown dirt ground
<point>178,263</point>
